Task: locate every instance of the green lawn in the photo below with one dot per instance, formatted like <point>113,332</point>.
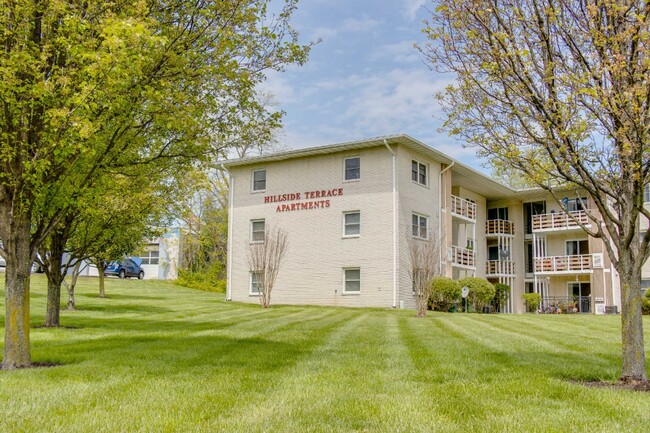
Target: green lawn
<point>154,357</point>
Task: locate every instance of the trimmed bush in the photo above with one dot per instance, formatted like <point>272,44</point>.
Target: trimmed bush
<point>445,293</point>
<point>502,293</point>
<point>646,303</point>
<point>481,292</point>
<point>532,301</point>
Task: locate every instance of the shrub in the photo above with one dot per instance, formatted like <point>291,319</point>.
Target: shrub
<point>502,293</point>
<point>481,292</point>
<point>209,280</point>
<point>646,303</point>
<point>532,301</point>
<point>445,293</point>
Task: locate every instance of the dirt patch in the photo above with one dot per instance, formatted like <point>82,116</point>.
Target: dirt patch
<point>632,385</point>
<point>55,327</point>
<point>37,365</point>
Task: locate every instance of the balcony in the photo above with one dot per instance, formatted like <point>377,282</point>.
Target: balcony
<point>578,264</point>
<point>559,221</point>
<point>463,208</point>
<point>499,227</point>
<point>461,257</point>
<point>496,268</point>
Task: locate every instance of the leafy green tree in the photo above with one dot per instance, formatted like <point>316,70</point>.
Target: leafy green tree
<point>93,88</point>
<point>558,90</point>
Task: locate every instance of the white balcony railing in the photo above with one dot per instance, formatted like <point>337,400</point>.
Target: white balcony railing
<point>461,256</point>
<point>500,267</point>
<point>564,264</point>
<point>499,227</point>
<point>559,220</point>
<point>463,208</point>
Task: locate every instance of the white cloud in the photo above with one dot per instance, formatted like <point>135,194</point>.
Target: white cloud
<point>411,8</point>
<point>395,100</point>
<point>400,52</point>
<point>349,25</point>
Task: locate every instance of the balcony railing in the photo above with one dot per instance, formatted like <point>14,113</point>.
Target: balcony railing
<point>463,208</point>
<point>564,264</point>
<point>559,220</point>
<point>461,256</point>
<point>500,267</point>
<point>499,227</point>
<point>566,304</point>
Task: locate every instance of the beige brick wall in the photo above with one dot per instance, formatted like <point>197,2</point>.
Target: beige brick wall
<point>317,253</point>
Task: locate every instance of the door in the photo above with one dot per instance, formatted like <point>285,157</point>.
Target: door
<point>581,293</point>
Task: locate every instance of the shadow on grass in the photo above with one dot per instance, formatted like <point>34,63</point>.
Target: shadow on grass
<point>124,308</point>
<point>119,296</point>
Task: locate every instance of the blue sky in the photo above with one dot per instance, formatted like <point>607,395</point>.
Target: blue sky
<point>364,79</point>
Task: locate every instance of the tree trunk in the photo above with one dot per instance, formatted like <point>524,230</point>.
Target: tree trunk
<point>632,322</point>
<point>17,273</point>
<point>53,269</point>
<point>73,283</point>
<point>52,312</point>
<point>100,270</point>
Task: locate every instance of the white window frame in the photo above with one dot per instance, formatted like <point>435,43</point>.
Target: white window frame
<point>345,170</point>
<point>419,167</point>
<point>147,257</point>
<point>646,193</point>
<point>345,281</point>
<point>250,283</point>
<point>253,180</point>
<point>251,234</point>
<point>420,217</point>
<point>345,225</point>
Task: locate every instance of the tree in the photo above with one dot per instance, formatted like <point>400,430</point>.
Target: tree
<point>424,258</point>
<point>558,90</point>
<point>265,259</point>
<point>93,88</point>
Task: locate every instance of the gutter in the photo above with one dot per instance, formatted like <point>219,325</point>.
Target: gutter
<point>394,222</point>
<point>231,196</point>
<point>440,198</point>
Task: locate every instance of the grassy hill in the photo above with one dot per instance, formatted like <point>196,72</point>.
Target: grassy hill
<point>154,357</point>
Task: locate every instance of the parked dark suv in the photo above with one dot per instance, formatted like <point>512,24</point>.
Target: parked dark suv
<point>129,267</point>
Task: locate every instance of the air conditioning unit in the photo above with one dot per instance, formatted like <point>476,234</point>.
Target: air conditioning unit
<point>597,262</point>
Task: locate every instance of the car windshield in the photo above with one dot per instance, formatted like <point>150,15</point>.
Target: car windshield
<point>136,260</point>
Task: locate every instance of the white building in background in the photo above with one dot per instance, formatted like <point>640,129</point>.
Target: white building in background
<point>351,209</point>
<point>160,257</point>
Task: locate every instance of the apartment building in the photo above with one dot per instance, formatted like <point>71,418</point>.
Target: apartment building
<point>352,210</point>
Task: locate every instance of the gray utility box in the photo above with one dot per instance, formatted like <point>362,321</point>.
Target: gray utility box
<point>611,309</point>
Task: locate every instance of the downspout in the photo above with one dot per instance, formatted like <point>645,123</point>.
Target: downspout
<point>231,196</point>
<point>394,223</point>
<point>440,198</point>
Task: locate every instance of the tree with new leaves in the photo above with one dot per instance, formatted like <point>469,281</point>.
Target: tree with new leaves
<point>265,259</point>
<point>558,90</point>
<point>95,88</point>
<point>424,260</point>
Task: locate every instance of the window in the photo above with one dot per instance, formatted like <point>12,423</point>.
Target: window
<point>646,193</point>
<point>420,226</point>
<point>498,213</point>
<point>256,283</point>
<point>151,255</point>
<point>352,223</point>
<point>575,204</point>
<point>352,280</point>
<point>493,252</point>
<point>419,172</point>
<point>257,230</point>
<point>259,180</point>
<point>574,248</point>
<point>352,168</point>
